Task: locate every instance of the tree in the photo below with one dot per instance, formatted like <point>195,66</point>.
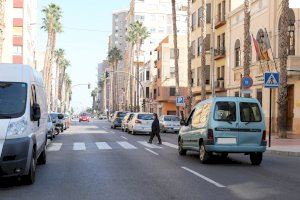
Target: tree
<point>137,33</point>
<point>59,60</point>
<point>52,25</point>
<point>131,39</point>
<point>283,56</point>
<point>94,95</point>
<point>114,56</point>
<point>63,66</point>
<point>247,39</point>
<point>189,48</point>
<point>203,52</point>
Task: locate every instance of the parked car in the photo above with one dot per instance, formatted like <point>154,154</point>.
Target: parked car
<point>67,121</point>
<point>23,119</point>
<point>169,123</point>
<point>58,121</point>
<point>50,128</point>
<point>125,121</point>
<point>84,118</point>
<point>140,123</point>
<point>225,125</point>
<point>117,118</point>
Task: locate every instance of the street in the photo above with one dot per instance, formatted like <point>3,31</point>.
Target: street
<point>92,161</point>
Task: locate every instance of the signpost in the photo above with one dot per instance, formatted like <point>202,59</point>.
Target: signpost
<point>271,80</point>
<point>246,84</point>
<point>180,101</point>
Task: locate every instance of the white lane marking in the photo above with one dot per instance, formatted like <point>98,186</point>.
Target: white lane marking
<point>152,151</point>
<point>103,145</point>
<point>170,145</point>
<point>54,147</point>
<point>204,177</point>
<point>126,145</point>
<point>124,137</point>
<point>146,144</point>
<point>79,146</point>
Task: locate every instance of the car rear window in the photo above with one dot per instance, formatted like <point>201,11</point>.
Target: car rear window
<point>121,114</point>
<point>225,111</point>
<point>250,112</point>
<point>145,117</point>
<point>171,119</point>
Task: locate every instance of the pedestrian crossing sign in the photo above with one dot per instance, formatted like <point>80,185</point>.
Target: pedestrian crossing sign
<point>271,80</point>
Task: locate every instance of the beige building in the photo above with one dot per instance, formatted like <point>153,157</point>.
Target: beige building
<point>265,14</point>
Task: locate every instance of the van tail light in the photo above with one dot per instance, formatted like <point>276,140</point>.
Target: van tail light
<point>138,122</point>
<point>210,135</point>
<point>264,136</point>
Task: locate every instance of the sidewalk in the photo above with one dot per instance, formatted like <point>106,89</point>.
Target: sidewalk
<point>285,147</point>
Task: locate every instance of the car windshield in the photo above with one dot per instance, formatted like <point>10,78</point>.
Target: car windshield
<point>250,112</point>
<point>225,111</point>
<point>12,99</point>
<point>171,119</point>
<point>121,114</point>
<point>145,116</point>
<point>54,115</point>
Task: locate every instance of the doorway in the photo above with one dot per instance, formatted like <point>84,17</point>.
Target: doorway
<point>290,107</point>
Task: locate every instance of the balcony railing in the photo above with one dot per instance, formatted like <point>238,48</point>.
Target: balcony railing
<point>220,21</point>
<point>220,53</point>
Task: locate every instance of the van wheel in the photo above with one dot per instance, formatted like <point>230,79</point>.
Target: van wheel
<point>29,179</point>
<point>203,154</point>
<point>42,159</point>
<point>181,151</point>
<point>256,158</point>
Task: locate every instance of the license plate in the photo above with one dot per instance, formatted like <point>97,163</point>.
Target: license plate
<point>226,140</point>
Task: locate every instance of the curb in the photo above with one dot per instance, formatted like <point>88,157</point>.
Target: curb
<point>283,153</point>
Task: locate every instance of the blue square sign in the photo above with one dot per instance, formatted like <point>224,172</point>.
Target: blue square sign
<point>271,80</point>
<point>180,101</point>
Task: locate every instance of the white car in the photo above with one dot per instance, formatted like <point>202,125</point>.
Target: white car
<point>50,128</point>
<point>23,121</point>
<point>140,123</point>
<point>169,123</point>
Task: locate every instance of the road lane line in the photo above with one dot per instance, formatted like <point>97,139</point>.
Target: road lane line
<point>124,137</point>
<point>126,145</point>
<point>170,145</point>
<point>79,146</point>
<point>204,177</point>
<point>152,151</point>
<point>102,145</point>
<point>54,147</point>
<point>146,144</point>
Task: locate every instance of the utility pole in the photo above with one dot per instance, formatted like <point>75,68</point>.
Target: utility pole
<point>212,52</point>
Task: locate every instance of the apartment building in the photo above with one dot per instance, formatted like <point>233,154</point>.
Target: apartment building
<point>164,90</point>
<point>265,15</point>
<point>19,32</point>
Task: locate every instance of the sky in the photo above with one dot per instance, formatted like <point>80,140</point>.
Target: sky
<point>87,25</point>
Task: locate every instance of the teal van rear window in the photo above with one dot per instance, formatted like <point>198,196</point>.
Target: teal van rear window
<point>225,111</point>
<point>250,112</point>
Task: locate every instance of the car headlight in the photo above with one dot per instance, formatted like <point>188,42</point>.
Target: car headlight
<point>16,128</point>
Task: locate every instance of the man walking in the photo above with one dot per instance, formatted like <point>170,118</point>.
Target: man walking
<point>155,130</point>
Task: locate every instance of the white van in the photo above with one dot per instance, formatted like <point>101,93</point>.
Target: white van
<point>23,121</point>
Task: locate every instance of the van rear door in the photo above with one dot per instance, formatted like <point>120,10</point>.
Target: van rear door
<point>225,123</point>
<point>251,124</point>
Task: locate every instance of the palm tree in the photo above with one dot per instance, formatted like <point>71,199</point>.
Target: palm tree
<point>68,92</point>
<point>247,38</point>
<point>63,66</point>
<point>52,25</point>
<point>190,95</point>
<point>2,9</point>
<point>175,50</point>
<point>94,95</point>
<point>59,59</point>
<point>114,56</point>
<point>131,39</point>
<point>203,52</point>
<point>283,56</point>
<point>137,33</point>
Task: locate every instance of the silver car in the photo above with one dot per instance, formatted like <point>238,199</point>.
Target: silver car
<point>141,123</point>
<point>125,121</point>
<point>169,123</point>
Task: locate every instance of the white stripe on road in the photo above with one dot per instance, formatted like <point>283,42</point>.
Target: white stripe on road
<point>124,137</point>
<point>54,146</point>
<point>204,177</point>
<point>126,145</point>
<point>146,144</point>
<point>152,151</point>
<point>79,146</point>
<point>170,145</point>
<point>102,145</point>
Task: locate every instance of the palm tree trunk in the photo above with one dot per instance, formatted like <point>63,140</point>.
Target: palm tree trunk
<point>130,79</point>
<point>175,51</point>
<point>46,66</point>
<point>247,39</point>
<point>190,95</point>
<point>203,51</point>
<point>113,88</point>
<point>283,56</point>
<point>137,74</point>
<point>62,78</point>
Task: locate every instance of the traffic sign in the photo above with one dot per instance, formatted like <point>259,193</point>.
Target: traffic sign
<point>271,80</point>
<point>180,101</point>
<point>247,82</point>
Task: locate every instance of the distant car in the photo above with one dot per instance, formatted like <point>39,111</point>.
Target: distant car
<point>169,123</point>
<point>50,128</point>
<point>140,123</point>
<point>125,121</point>
<point>58,121</point>
<point>84,118</point>
<point>117,118</point>
<point>103,116</point>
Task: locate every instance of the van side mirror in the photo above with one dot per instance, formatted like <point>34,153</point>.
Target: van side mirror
<point>36,109</point>
<point>60,116</point>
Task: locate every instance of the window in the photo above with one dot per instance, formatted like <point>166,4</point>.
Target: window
<point>250,112</point>
<point>172,53</point>
<point>201,116</point>
<point>193,77</point>
<point>145,116</point>
<point>158,92</point>
<point>207,42</point>
<point>147,75</point>
<point>199,46</point>
<point>225,111</point>
<point>208,13</point>
<point>154,94</point>
<point>193,21</point>
<point>18,50</point>
<point>147,92</point>
<point>158,73</point>
<point>172,72</point>
<point>200,13</point>
<point>237,53</point>
<point>172,91</point>
<point>193,49</point>
<point>198,75</point>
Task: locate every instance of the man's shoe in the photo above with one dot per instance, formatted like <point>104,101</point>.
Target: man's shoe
<point>159,143</point>
<point>149,142</point>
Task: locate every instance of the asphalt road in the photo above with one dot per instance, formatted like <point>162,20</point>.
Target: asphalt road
<point>91,161</point>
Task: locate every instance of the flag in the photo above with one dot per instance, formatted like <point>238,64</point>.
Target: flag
<point>257,49</point>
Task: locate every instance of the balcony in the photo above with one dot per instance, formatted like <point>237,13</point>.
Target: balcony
<point>164,94</point>
<point>220,85</point>
<point>220,21</point>
<point>220,53</point>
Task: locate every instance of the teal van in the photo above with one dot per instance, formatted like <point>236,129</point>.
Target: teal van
<point>224,125</point>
